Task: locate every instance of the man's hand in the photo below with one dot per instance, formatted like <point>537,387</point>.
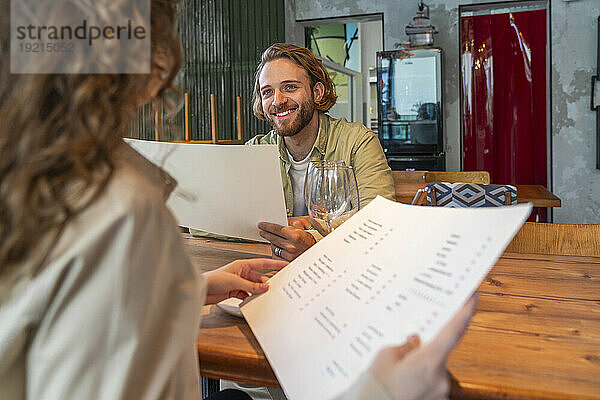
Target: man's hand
<point>239,278</point>
<point>287,242</point>
<point>413,372</point>
<point>300,222</point>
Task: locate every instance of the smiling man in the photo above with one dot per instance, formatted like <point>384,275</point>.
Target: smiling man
<point>293,91</point>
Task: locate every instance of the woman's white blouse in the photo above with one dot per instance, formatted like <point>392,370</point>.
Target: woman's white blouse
<point>115,310</point>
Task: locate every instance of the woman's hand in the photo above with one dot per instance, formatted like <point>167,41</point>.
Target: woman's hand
<point>412,371</point>
<point>239,278</point>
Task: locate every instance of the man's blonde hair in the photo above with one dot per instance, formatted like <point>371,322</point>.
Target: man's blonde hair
<point>305,59</point>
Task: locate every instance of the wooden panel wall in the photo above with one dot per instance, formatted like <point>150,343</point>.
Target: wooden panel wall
<point>222,41</point>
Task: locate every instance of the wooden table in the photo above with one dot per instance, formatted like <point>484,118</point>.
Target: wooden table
<point>536,194</point>
<point>536,334</point>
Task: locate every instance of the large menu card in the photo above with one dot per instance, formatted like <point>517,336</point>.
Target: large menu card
<point>390,271</point>
<point>221,189</point>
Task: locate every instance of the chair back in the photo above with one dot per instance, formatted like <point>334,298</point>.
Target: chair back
<point>460,195</point>
<point>557,239</point>
<point>481,177</point>
<point>409,176</point>
<point>214,123</point>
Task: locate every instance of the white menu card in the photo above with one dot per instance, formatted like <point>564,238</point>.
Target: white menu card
<point>222,189</point>
<point>390,271</point>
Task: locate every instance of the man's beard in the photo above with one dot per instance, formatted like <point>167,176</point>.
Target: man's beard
<point>304,115</point>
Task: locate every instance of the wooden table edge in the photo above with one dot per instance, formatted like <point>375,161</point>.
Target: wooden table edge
<point>473,391</point>
<point>224,364</point>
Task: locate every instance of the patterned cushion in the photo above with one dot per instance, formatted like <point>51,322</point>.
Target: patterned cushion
<point>470,195</point>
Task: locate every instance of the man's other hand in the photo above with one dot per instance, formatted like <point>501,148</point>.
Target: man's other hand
<point>300,222</point>
<point>287,242</point>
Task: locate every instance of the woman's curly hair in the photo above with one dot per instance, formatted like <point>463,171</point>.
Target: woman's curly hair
<point>305,59</point>
<point>58,133</point>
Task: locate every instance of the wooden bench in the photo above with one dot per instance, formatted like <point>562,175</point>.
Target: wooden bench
<point>557,239</point>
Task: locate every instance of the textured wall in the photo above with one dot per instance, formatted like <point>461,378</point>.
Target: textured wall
<point>573,59</point>
<point>574,44</point>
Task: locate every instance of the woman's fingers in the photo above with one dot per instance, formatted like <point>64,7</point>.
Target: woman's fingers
<point>259,263</point>
<point>254,276</point>
<point>236,283</point>
<point>449,337</point>
<point>399,352</point>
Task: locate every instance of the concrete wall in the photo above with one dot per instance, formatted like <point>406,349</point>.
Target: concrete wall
<point>573,60</point>
<point>574,47</point>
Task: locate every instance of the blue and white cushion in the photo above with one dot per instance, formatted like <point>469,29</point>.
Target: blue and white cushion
<point>470,195</point>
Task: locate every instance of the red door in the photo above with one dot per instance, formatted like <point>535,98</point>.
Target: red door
<point>503,57</point>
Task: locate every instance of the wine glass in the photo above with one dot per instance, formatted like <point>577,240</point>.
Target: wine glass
<point>310,175</point>
<point>332,195</point>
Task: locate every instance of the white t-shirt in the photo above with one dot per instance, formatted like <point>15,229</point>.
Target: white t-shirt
<point>298,176</point>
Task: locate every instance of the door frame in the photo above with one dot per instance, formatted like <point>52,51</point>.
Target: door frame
<point>354,87</point>
<point>359,80</point>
